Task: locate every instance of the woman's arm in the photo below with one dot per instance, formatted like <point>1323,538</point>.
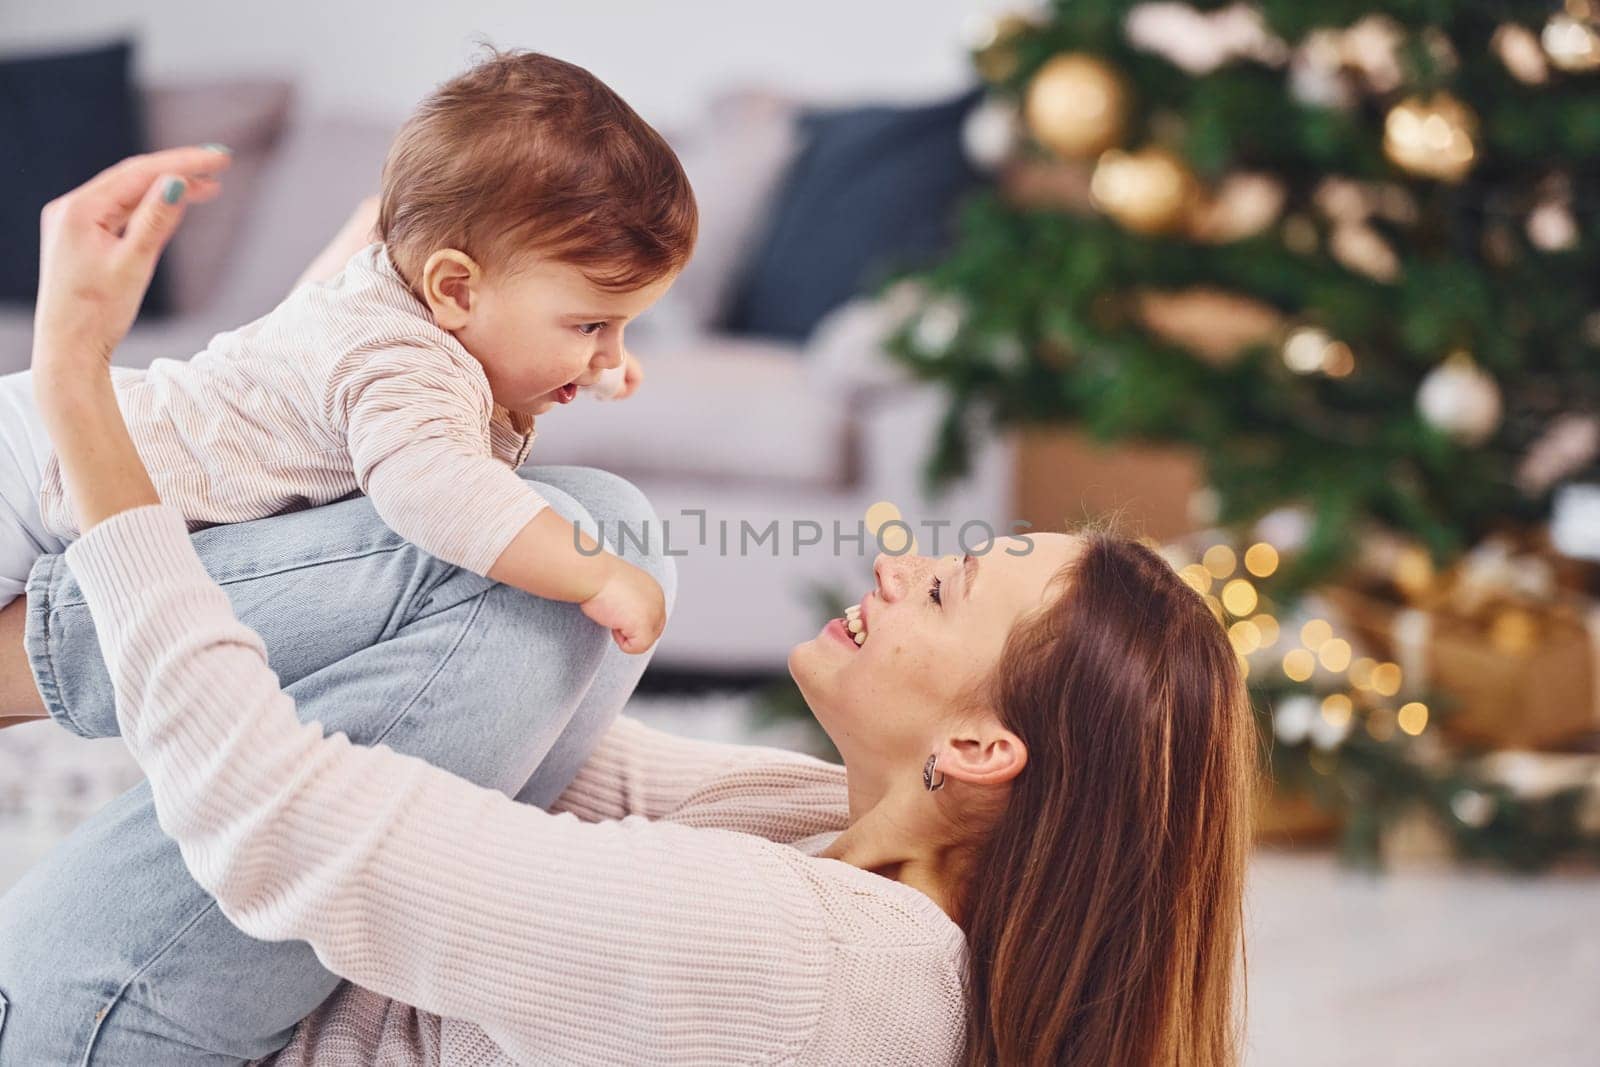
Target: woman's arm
<point>358,231</point>
<point>559,937</point>
<point>639,770</point>
<point>98,249</point>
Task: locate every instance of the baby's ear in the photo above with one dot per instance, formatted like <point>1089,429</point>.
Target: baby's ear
<point>449,282</point>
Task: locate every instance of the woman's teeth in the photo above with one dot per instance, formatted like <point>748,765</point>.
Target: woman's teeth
<point>855,624</point>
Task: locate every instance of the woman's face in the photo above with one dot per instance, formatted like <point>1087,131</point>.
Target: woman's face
<point>935,629</point>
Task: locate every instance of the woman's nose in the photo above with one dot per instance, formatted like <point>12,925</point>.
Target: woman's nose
<point>892,573</point>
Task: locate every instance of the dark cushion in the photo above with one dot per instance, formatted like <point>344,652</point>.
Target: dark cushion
<point>64,117</point>
<point>873,191</point>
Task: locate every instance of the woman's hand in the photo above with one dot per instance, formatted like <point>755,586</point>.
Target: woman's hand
<point>98,248</point>
<point>99,245</point>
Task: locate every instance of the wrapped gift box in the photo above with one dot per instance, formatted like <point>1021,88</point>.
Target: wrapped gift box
<point>1063,478</point>
<point>1520,676</point>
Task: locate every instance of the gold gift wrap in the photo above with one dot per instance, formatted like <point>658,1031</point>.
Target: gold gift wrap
<point>1515,673</point>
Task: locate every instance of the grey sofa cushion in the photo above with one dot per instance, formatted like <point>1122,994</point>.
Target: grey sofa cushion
<point>247,116</point>
<point>727,410</point>
<point>735,156</point>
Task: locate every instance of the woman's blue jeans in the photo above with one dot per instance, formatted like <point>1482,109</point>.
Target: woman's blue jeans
<point>109,952</point>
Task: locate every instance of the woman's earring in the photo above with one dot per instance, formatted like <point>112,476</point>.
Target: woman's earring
<point>927,774</point>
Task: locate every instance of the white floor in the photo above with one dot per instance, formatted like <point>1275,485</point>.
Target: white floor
<point>1417,968</point>
<point>1420,968</point>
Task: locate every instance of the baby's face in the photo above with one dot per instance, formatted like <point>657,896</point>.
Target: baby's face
<point>545,329</point>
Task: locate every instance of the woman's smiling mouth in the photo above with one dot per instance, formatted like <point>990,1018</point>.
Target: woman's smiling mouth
<point>855,623</point>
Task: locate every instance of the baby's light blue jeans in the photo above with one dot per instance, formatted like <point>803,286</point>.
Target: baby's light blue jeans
<point>109,953</point>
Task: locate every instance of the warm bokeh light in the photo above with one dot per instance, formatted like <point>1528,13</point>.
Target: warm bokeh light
<point>1268,626</point>
<point>1386,679</point>
<point>1298,664</point>
<point>883,521</point>
<point>1315,633</point>
<point>1337,708</point>
<point>1215,605</point>
<point>1261,559</point>
<point>1219,560</point>
<point>1302,352</point>
<point>1338,361</point>
<point>1361,672</point>
<point>1335,654</point>
<point>1246,637</point>
<point>1239,597</point>
<point>1413,717</point>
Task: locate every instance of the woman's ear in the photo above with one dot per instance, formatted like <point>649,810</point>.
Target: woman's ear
<point>449,284</point>
<point>983,754</point>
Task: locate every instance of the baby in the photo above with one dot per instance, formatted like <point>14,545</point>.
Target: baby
<point>527,215</point>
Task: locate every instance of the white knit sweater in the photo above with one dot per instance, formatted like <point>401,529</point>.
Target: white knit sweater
<point>673,912</point>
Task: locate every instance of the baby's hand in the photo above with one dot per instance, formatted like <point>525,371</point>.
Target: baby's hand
<point>617,383</point>
<point>631,605</point>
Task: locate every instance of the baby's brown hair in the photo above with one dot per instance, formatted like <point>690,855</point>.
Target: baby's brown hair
<point>526,154</point>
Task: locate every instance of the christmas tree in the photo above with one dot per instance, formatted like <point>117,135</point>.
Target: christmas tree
<point>1348,253</point>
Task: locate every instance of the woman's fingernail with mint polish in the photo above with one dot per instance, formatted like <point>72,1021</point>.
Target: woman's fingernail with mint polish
<point>172,192</point>
<point>212,146</point>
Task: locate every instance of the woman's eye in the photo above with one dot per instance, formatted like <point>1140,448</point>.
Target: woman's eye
<point>933,592</point>
<point>589,329</point>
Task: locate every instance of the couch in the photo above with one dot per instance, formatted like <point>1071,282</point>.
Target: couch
<point>743,429</point>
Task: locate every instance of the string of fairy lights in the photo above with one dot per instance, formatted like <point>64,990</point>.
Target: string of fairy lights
<point>1231,587</point>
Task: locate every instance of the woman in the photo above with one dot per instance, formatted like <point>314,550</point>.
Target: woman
<point>1033,853</point>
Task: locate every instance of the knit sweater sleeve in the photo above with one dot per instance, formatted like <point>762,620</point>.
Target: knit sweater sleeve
<point>564,940</point>
<point>416,423</point>
<point>639,770</point>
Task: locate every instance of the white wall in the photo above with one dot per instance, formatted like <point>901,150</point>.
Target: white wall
<point>373,58</point>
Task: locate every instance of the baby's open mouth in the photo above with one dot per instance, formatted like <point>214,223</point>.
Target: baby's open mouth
<point>567,393</point>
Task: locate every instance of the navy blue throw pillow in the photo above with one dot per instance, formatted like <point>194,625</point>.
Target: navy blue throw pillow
<point>63,118</point>
<point>874,190</point>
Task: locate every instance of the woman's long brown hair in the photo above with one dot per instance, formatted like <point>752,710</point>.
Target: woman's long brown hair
<point>1103,916</point>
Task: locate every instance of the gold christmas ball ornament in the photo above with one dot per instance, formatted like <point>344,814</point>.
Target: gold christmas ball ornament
<point>1432,137</point>
<point>1461,400</point>
<point>1572,42</point>
<point>1076,105</point>
<point>1148,191</point>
